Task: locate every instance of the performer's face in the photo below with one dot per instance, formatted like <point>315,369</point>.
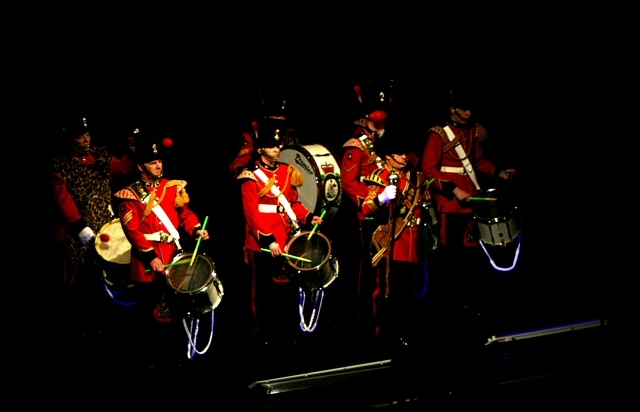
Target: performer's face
<point>82,143</point>
<point>397,161</point>
<point>463,115</point>
<point>270,154</point>
<point>152,170</point>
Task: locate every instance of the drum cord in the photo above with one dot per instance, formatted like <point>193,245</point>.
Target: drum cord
<point>112,296</point>
<point>421,282</point>
<point>192,331</point>
<point>318,295</point>
<point>515,256</point>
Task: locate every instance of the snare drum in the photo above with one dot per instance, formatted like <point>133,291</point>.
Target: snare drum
<point>197,291</point>
<point>497,222</point>
<point>322,188</point>
<point>323,268</point>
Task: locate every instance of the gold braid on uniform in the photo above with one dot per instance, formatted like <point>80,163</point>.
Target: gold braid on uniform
<point>297,179</point>
<point>182,198</point>
<point>293,174</point>
<point>150,204</point>
<point>265,190</point>
<point>481,132</point>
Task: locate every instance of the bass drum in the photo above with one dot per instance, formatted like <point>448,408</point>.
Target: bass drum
<point>322,189</point>
<point>322,268</point>
<point>196,291</point>
<point>497,220</point>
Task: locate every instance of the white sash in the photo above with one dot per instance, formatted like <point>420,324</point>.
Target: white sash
<point>283,200</point>
<point>165,220</point>
<point>463,157</point>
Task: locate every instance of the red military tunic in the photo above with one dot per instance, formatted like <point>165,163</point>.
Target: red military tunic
<point>408,208</point>
<point>442,163</point>
<point>266,219</point>
<point>358,161</point>
<point>138,219</point>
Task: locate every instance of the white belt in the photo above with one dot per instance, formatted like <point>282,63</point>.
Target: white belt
<point>452,169</point>
<point>267,208</point>
<point>159,237</point>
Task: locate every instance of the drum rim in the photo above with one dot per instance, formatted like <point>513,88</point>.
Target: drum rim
<point>172,269</point>
<point>291,261</point>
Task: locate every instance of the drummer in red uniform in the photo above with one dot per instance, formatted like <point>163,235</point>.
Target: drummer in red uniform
<point>454,158</point>
<point>154,211</point>
<point>273,214</point>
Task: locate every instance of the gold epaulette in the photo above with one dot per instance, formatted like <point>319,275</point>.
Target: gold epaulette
<point>247,174</point>
<point>182,198</point>
<point>172,183</point>
<point>354,142</point>
<point>481,132</point>
<point>297,179</point>
<point>364,122</point>
<point>126,193</point>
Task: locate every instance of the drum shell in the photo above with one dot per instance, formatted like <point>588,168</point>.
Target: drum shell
<point>323,268</point>
<point>196,293</point>
<point>496,220</point>
<point>322,188</point>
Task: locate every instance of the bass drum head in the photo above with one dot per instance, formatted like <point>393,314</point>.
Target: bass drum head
<point>112,244</point>
<point>196,291</point>
<point>322,188</point>
<point>322,269</point>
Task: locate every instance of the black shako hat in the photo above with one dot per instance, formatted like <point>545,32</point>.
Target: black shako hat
<point>461,96</point>
<point>391,142</point>
<point>74,126</point>
<point>270,133</point>
<point>150,146</point>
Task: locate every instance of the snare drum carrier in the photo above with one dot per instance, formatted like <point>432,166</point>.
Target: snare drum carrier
<point>192,279</point>
<point>496,226</point>
<point>309,260</point>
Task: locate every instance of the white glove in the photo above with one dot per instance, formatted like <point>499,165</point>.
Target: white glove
<point>388,194</point>
<point>86,235</point>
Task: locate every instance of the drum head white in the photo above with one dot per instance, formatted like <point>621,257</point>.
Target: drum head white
<point>322,188</point>
<point>112,244</point>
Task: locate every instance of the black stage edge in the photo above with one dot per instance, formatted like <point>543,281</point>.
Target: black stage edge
<point>375,385</point>
<point>570,361</point>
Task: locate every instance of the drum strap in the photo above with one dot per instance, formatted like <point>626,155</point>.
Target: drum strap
<point>463,157</point>
<point>162,215</point>
<point>283,200</point>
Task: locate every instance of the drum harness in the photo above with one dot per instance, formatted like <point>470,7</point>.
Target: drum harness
<point>318,293</point>
<point>469,170</point>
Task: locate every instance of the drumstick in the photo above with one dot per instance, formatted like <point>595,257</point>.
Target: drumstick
<point>483,198</point>
<point>289,256</point>
<point>193,258</point>
<point>180,262</point>
<point>316,226</point>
